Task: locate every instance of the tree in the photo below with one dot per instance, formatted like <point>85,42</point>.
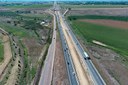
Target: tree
<point>8,21</point>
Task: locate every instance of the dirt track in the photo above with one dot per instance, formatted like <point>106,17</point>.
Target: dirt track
<point>112,23</point>
<point>7,54</point>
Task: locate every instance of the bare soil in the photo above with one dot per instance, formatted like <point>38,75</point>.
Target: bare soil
<point>60,76</point>
<point>100,11</point>
<point>112,23</point>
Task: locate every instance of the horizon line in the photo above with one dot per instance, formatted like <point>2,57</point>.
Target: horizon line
<point>62,1</point>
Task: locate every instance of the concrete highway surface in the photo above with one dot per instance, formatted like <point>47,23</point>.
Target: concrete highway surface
<point>46,74</point>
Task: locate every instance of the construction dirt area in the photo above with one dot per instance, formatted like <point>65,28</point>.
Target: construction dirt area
<point>111,23</point>
<point>60,76</point>
<point>7,54</point>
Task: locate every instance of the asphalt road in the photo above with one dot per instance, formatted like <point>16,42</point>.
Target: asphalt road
<point>46,74</point>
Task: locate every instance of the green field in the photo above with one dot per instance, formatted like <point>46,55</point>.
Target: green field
<point>93,6</point>
<point>115,38</point>
<point>120,18</point>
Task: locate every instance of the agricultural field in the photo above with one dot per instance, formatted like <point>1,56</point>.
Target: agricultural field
<point>108,33</point>
<point>30,37</point>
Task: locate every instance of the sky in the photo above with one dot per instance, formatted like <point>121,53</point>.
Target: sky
<point>64,0</point>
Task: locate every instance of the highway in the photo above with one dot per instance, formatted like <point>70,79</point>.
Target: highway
<point>80,68</point>
<point>83,77</point>
<point>93,75</point>
<point>46,74</point>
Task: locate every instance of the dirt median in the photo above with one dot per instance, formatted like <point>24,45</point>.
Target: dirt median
<point>60,76</point>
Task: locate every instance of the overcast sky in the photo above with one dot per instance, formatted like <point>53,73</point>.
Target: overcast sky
<point>64,0</point>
